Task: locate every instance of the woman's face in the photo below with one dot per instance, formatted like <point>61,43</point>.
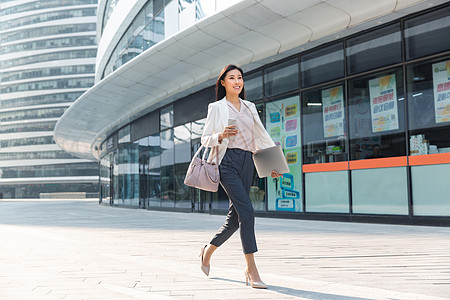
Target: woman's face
<point>233,83</point>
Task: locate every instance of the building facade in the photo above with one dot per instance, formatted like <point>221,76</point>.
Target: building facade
<point>47,60</point>
<point>355,92</point>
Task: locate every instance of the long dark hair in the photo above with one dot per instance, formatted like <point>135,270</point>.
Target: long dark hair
<point>220,89</point>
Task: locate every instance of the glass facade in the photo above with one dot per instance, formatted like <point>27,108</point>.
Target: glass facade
<point>43,69</point>
<point>146,30</point>
<point>363,122</point>
<point>156,20</point>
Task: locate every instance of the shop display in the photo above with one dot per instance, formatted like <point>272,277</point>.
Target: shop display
<point>283,125</point>
<point>419,145</point>
<point>333,111</point>
<point>383,103</point>
<point>441,88</point>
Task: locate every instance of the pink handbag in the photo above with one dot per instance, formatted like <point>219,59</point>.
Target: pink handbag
<point>201,174</point>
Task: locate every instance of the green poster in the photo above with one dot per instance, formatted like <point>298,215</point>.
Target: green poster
<point>283,125</point>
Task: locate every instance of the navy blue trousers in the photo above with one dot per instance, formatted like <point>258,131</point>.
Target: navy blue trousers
<point>236,174</point>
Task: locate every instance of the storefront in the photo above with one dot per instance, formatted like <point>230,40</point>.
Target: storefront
<point>364,122</point>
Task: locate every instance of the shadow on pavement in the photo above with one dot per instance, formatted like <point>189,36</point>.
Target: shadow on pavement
<point>298,293</point>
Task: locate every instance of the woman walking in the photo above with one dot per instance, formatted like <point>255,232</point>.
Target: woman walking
<point>236,143</point>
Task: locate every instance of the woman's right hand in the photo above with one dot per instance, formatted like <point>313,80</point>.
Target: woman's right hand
<point>227,132</point>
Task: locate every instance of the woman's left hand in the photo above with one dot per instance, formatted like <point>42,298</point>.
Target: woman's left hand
<point>275,174</point>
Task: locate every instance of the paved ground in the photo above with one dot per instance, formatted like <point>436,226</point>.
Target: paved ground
<point>81,250</point>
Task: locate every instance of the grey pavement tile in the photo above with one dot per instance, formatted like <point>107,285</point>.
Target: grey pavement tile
<point>111,253</point>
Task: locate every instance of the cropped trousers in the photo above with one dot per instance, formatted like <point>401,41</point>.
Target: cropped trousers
<point>236,174</point>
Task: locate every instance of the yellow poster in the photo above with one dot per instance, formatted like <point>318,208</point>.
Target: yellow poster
<point>383,103</point>
<point>441,87</point>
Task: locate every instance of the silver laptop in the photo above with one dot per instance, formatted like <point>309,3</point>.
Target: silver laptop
<point>270,159</point>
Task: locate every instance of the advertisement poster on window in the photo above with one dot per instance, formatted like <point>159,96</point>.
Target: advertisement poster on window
<point>333,111</point>
<point>441,88</point>
<point>283,125</point>
<point>383,103</point>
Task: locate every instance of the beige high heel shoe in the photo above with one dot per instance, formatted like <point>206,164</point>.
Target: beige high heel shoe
<point>254,284</point>
<point>205,269</point>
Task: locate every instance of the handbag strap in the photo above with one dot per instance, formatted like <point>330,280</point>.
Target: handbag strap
<point>203,145</point>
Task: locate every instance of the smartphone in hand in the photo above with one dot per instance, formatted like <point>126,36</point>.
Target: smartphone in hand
<point>230,123</point>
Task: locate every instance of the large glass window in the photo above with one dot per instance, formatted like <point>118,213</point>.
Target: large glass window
<point>47,72</point>
<point>429,106</point>
<point>146,31</point>
<point>41,99</point>
<point>49,84</point>
<point>64,42</point>
<point>42,5</point>
<point>44,31</point>
<point>182,142</point>
<point>200,198</point>
<point>375,49</point>
<point>124,135</point>
<point>42,140</point>
<point>32,114</point>
<point>154,170</point>
<point>27,127</point>
<point>128,174</point>
<point>428,34</point>
<point>49,16</point>
<point>72,54</point>
<point>283,125</point>
<point>186,13</point>
<point>204,8</point>
<point>324,125</point>
<point>281,78</point>
<point>109,8</point>
<point>144,179</point>
<point>105,179</point>
<point>167,169</point>
<point>166,117</point>
<point>377,115</point>
<point>253,86</point>
<point>36,155</point>
<point>322,65</point>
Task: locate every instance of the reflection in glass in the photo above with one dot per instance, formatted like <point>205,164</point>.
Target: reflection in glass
<point>281,78</point>
<point>322,65</point>
<point>167,169</point>
<point>144,180</point>
<point>154,171</point>
<point>200,198</point>
<point>105,179</point>
<point>124,135</point>
<point>377,116</point>
<point>324,125</point>
<point>197,129</point>
<point>204,8</point>
<point>253,86</point>
<point>182,141</point>
<point>186,13</point>
<point>109,8</point>
<point>166,117</point>
<point>428,101</point>
<point>375,49</point>
<point>128,174</point>
<point>427,34</point>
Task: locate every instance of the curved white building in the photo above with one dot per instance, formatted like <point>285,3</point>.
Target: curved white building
<point>47,60</point>
<point>354,91</point>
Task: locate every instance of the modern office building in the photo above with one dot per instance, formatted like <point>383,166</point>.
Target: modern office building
<point>355,91</point>
<point>47,60</point>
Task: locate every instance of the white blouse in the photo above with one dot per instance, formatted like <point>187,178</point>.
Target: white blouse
<point>245,137</point>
